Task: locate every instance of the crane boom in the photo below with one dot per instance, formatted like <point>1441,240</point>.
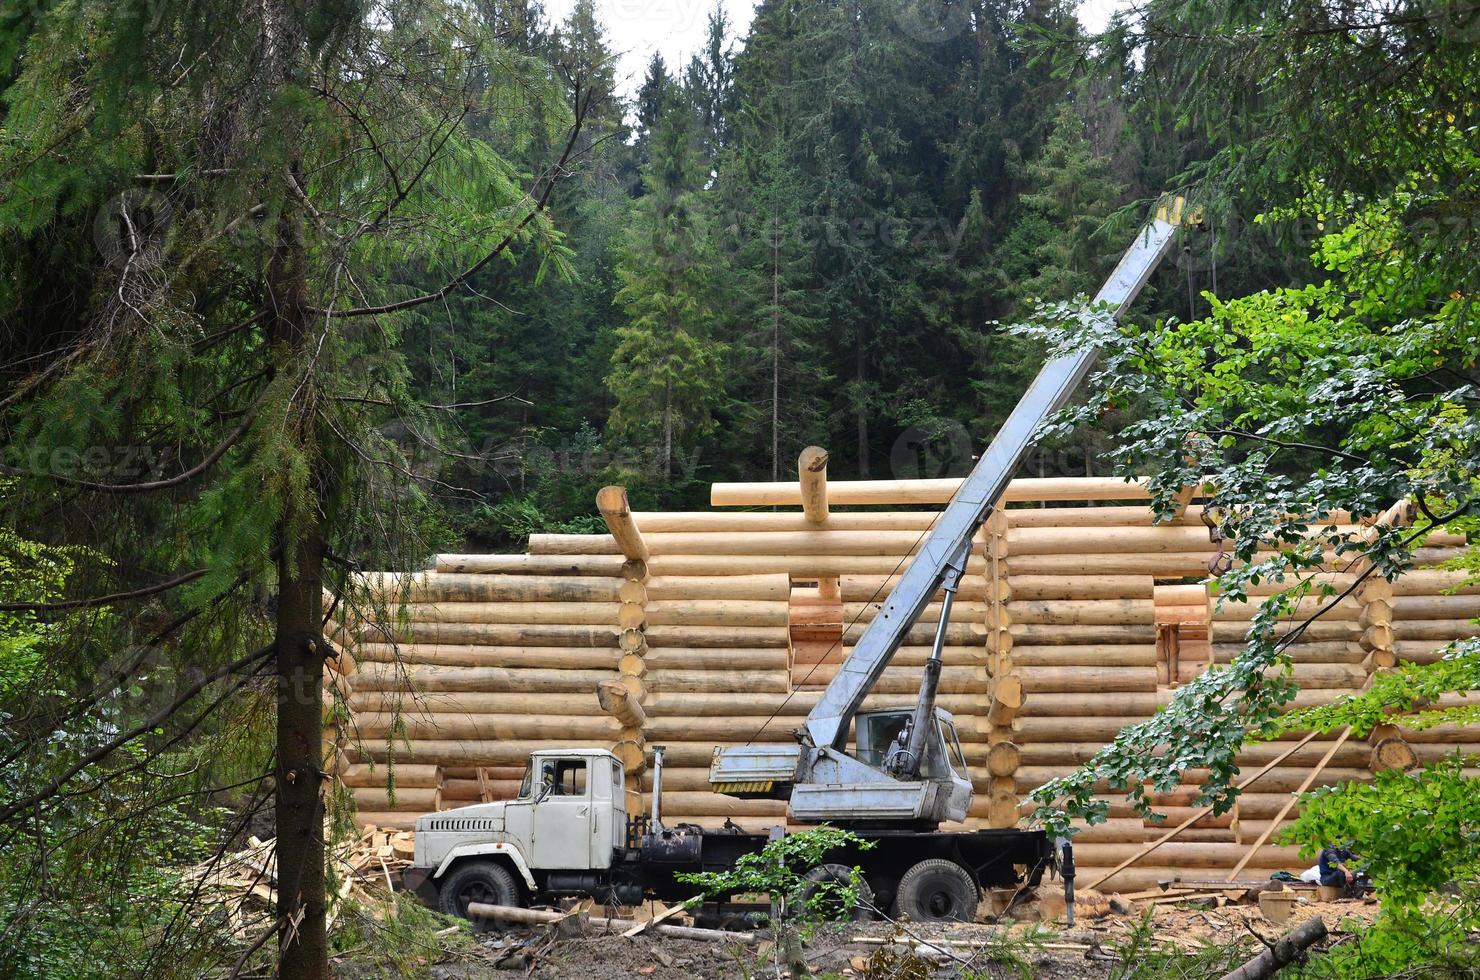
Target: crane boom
<point>827,724</point>
<point>907,768</point>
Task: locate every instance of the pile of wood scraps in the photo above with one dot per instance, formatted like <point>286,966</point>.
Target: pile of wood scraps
<point>243,885</point>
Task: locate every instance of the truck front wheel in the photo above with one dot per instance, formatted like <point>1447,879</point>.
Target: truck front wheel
<point>477,881</point>
<point>937,890</point>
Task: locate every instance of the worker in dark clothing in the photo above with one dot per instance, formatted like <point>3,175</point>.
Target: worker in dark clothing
<point>1335,873</point>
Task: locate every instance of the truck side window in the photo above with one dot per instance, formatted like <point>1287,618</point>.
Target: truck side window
<point>565,777</point>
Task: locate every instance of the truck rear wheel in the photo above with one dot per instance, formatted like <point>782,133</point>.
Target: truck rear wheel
<point>937,890</point>
<point>477,881</point>
<point>842,876</point>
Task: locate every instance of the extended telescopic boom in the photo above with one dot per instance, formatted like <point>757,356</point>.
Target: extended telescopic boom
<point>827,725</point>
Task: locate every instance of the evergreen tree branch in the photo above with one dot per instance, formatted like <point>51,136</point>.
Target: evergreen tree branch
<point>105,600</point>
<point>552,177</point>
<point>150,486</point>
<point>10,810</point>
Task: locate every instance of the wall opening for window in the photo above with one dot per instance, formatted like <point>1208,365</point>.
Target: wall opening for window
<point>1184,619</point>
<point>816,632</point>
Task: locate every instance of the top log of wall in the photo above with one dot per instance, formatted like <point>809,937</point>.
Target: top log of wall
<point>500,654</point>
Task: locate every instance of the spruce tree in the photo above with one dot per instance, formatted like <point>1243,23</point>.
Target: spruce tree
<point>245,205</point>
<point>667,370</point>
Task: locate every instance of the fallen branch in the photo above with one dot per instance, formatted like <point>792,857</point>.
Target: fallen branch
<point>509,913</point>
<point>1289,948</point>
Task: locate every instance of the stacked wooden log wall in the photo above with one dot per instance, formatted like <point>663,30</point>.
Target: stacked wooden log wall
<point>687,622</point>
<point>473,664</point>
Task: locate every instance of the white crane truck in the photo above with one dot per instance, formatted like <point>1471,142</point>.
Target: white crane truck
<point>570,832</point>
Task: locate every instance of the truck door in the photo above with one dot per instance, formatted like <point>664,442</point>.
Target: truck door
<point>608,816</point>
<point>562,825</point>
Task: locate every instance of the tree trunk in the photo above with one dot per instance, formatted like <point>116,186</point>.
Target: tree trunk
<point>302,939</point>
<point>668,431</point>
<point>775,353</point>
<point>860,372</point>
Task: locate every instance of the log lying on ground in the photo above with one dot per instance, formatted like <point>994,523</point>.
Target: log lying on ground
<point>1288,949</point>
<point>509,913</point>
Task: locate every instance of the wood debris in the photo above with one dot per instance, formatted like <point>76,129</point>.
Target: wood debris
<point>243,885</point>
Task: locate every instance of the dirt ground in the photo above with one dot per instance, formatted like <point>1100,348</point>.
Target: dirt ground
<point>1046,949</point>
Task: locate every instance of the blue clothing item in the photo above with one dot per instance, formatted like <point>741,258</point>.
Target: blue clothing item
<point>1330,857</point>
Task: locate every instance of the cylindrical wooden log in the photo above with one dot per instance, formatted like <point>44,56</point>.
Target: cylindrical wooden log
<point>1002,810</point>
<point>1436,607</point>
<point>747,587</point>
<point>1053,587</point>
<point>436,587</point>
<point>1087,612</point>
<point>575,544</point>
<point>1007,698</point>
<point>797,565</point>
<point>1042,634</point>
<point>398,820</point>
<point>1091,703</point>
<point>463,751</point>
<point>812,483</point>
<point>533,613</point>
<point>541,917</point>
<point>618,702</point>
<point>1089,655</point>
<point>717,658</point>
<point>508,635</point>
<point>467,726</point>
<point>418,799</point>
<point>1189,855</point>
<point>716,612</point>
<point>925,491</point>
<point>1003,758</point>
<point>385,677</point>
<point>1425,582</point>
<point>612,503</point>
<point>753,637</point>
<point>373,777</point>
<point>472,655</point>
<point>1088,679</point>
<point>717,521</point>
<point>1392,753</point>
<point>592,564</point>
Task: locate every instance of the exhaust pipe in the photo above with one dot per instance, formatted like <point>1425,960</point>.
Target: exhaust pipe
<point>657,787</point>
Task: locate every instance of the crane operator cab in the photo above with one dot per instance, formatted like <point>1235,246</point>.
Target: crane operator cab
<point>882,738</point>
<point>871,786</point>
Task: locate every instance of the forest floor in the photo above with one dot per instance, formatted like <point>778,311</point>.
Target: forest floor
<point>1149,941</point>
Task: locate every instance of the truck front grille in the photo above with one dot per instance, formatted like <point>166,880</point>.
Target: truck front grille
<point>464,823</point>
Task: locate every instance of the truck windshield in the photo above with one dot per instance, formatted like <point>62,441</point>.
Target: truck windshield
<point>953,748</point>
<point>526,786</point>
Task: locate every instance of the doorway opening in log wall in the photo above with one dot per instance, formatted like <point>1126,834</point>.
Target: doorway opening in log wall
<point>1184,620</point>
<point>815,633</point>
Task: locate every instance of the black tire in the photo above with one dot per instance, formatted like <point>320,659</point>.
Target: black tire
<point>838,874</point>
<point>937,890</point>
<point>477,881</point>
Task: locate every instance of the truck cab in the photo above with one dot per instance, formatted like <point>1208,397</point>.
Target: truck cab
<point>565,829</point>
